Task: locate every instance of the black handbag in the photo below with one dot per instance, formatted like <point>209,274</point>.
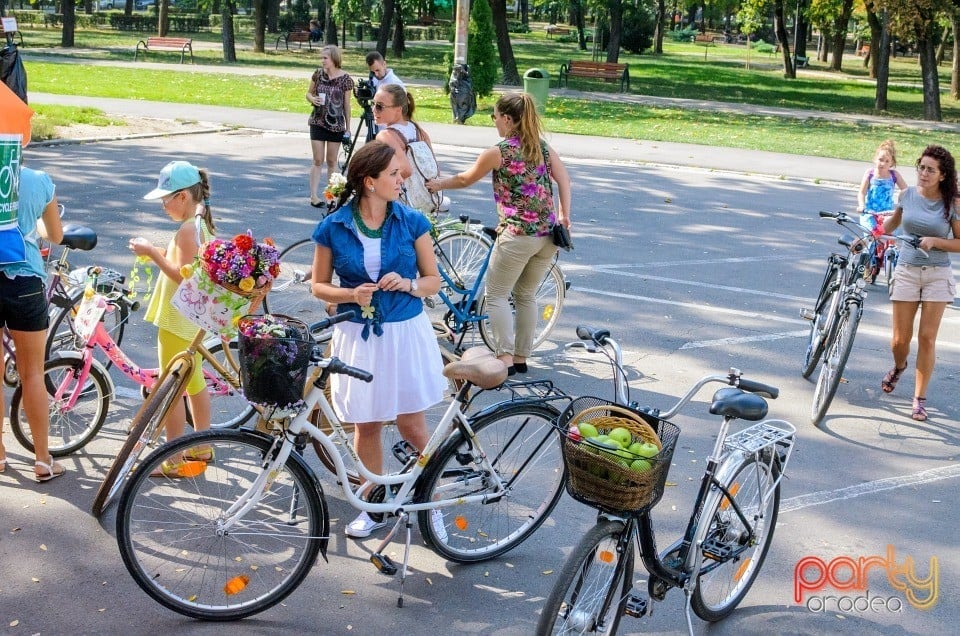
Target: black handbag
<point>561,237</point>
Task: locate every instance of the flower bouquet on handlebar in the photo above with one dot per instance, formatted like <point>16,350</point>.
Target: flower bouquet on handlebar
<point>227,281</point>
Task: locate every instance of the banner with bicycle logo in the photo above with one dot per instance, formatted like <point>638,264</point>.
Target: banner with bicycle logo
<point>12,246</point>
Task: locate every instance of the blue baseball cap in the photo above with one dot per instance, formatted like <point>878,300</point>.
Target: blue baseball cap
<point>175,176</point>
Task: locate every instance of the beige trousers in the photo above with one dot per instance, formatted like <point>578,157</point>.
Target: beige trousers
<point>517,265</point>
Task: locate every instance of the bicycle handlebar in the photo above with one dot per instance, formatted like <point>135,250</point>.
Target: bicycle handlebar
<point>338,366</point>
<point>326,323</point>
<point>845,220</point>
<point>759,388</point>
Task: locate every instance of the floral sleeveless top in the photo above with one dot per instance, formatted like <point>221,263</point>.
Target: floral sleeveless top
<point>523,193</point>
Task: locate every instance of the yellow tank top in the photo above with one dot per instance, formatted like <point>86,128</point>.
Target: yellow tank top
<point>160,311</point>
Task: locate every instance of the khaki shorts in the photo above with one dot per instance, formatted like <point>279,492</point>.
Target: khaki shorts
<point>914,283</point>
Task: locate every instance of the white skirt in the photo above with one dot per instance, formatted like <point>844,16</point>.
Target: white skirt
<point>406,366</point>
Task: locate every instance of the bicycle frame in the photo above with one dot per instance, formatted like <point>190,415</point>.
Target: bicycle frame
<point>453,419</point>
<point>90,328</point>
<point>462,309</point>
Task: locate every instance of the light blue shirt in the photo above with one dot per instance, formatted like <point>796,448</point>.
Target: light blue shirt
<point>36,193</point>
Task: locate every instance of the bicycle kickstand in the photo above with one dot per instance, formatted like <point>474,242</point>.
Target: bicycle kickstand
<point>384,563</point>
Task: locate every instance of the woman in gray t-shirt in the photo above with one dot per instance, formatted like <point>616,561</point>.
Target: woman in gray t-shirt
<point>928,211</point>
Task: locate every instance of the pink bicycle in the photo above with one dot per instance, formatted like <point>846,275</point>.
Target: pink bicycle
<point>80,387</point>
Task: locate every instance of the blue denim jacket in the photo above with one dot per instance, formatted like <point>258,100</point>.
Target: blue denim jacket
<point>402,227</point>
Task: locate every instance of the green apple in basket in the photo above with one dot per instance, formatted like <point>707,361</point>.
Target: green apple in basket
<point>644,450</point>
<point>587,430</point>
<point>621,435</point>
<point>640,465</point>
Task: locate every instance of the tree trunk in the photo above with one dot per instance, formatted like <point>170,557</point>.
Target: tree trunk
<point>661,18</point>
<point>616,31</point>
<point>942,45</point>
<point>931,79</point>
<point>801,27</point>
<point>876,28</point>
<point>840,34</point>
<point>128,8</point>
<point>399,44</point>
<point>779,25</point>
<point>881,61</point>
<point>576,8</point>
<point>259,24</point>
<point>955,73</point>
<point>163,18</point>
<point>69,10</point>
<point>507,61</point>
<point>524,12</point>
<point>227,36</point>
<point>385,21</point>
<point>273,16</point>
<point>88,7</point>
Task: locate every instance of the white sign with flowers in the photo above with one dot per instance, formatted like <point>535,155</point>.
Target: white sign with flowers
<point>208,305</point>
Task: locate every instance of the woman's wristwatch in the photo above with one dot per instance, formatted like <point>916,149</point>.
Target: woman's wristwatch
<point>413,286</point>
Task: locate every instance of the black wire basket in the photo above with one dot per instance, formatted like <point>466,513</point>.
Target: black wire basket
<point>274,362</point>
<point>607,477</point>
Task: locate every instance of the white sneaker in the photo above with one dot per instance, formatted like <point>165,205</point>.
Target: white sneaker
<point>362,526</point>
<point>436,518</point>
<point>444,204</point>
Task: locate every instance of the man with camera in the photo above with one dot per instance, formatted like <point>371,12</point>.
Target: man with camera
<point>379,73</point>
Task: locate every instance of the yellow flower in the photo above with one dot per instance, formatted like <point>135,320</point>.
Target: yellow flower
<point>247,284</point>
<point>367,311</point>
<point>186,271</point>
<point>236,321</point>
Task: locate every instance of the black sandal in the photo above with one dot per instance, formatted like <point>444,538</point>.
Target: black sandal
<point>889,382</point>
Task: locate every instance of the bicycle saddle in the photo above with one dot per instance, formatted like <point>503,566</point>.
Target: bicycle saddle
<point>737,403</point>
<point>479,367</point>
<point>79,237</point>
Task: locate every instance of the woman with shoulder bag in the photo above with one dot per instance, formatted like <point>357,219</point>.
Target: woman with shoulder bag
<point>329,92</point>
<point>524,167</point>
<point>393,110</point>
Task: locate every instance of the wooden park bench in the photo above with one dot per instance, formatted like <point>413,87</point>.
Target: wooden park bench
<point>184,45</point>
<point>800,61</point>
<point>553,29</point>
<point>595,70</point>
<point>296,35</point>
<point>863,51</point>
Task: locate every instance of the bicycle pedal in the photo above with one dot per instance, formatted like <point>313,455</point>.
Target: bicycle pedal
<point>807,314</point>
<point>713,549</point>
<point>384,564</point>
<point>636,605</point>
<point>404,451</point>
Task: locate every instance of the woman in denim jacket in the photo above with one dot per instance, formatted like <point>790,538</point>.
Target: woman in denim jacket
<point>382,253</point>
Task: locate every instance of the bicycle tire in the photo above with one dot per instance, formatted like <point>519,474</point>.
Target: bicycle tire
<point>824,315</point>
<point>228,406</point>
<point>835,360</point>
<point>583,598</point>
<point>167,528</point>
<point>523,444</point>
<point>461,254</point>
<point>721,586</point>
<point>70,430</point>
<point>145,429</point>
<point>61,335</point>
<point>549,298</point>
<point>290,294</point>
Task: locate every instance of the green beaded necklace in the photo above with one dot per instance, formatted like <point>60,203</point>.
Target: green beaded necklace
<point>374,234</point>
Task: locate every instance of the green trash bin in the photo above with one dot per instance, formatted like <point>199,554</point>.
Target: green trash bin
<point>536,84</point>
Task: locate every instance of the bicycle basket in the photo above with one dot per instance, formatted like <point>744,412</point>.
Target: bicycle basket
<point>274,362</point>
<point>604,476</point>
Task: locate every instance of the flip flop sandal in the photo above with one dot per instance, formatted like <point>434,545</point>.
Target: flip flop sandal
<point>3,465</point>
<point>919,409</point>
<point>199,454</point>
<point>889,382</point>
<point>53,470</point>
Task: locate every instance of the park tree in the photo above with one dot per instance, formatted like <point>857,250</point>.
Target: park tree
<point>662,24</point>
<point>505,48</point>
<point>227,35</point>
<point>917,20</point>
<point>481,57</point>
<point>259,24</point>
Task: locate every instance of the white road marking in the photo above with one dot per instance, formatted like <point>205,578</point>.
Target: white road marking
<point>684,263</point>
<point>869,488</point>
<point>722,342</point>
<point>690,283</point>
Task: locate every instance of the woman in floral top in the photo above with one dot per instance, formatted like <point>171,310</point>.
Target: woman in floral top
<point>329,93</point>
<point>524,168</point>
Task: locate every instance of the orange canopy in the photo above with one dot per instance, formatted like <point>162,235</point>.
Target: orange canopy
<point>14,114</point>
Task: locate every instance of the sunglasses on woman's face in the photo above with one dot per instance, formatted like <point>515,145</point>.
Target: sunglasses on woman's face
<point>378,106</point>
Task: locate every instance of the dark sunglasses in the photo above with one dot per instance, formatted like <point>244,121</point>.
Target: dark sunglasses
<point>378,106</point>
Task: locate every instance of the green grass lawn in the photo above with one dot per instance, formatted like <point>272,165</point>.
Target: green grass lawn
<point>730,73</point>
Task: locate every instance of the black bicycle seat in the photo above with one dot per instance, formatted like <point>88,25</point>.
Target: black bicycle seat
<point>737,403</point>
<point>79,237</point>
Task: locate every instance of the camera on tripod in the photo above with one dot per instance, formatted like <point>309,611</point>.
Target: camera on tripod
<point>364,93</point>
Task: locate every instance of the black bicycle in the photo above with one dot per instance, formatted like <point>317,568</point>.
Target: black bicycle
<point>836,315</point>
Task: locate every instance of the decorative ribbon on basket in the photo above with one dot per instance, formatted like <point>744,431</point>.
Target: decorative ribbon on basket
<point>227,281</point>
<point>617,458</point>
<point>274,362</point>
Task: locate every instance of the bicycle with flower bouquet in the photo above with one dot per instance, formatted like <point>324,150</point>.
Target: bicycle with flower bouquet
<point>227,280</point>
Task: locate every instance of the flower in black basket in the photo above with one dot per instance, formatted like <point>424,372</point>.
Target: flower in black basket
<point>275,357</point>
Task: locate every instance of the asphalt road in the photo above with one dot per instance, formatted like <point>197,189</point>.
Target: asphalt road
<point>693,270</point>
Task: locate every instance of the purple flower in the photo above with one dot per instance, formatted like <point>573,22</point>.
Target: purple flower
<point>530,189</point>
<point>514,142</point>
<point>541,169</point>
<point>508,211</point>
<point>516,167</point>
